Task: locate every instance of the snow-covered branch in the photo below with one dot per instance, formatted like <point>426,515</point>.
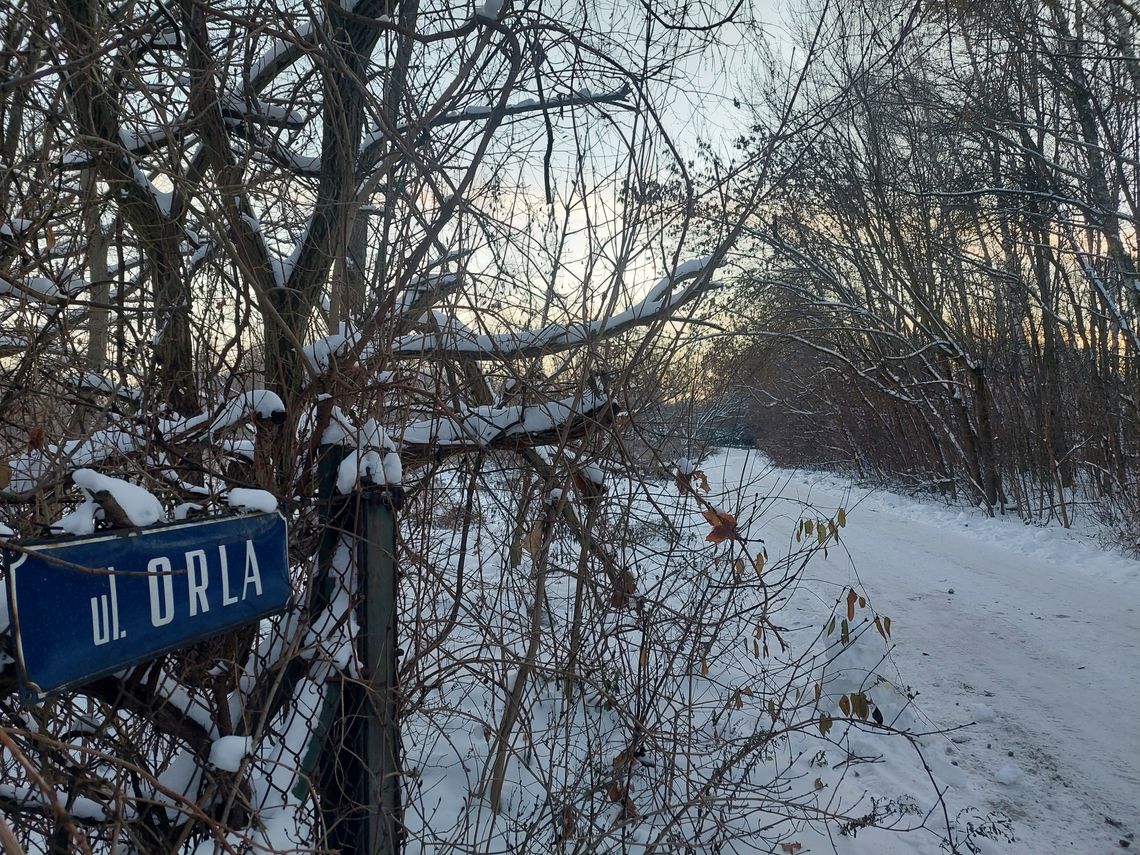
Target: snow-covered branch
<point>685,283</point>
<point>518,426</point>
<point>127,437</point>
<point>40,289</point>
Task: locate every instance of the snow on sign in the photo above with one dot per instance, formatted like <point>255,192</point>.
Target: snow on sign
<point>84,607</point>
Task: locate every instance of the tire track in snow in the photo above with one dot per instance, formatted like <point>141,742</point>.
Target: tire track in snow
<point>1059,695</point>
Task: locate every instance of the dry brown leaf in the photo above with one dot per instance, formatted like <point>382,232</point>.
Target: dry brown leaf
<point>879,627</point>
<point>723,526</point>
<point>791,848</point>
<point>624,589</point>
<point>569,821</point>
<point>589,489</point>
<point>685,483</point>
<point>852,597</point>
<point>532,543</point>
<point>628,810</point>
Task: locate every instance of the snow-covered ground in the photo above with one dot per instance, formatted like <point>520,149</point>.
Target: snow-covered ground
<point>735,705</point>
<point>1031,636</point>
<point>1002,709</point>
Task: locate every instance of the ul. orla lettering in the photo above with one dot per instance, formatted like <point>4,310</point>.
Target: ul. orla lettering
<point>105,614</point>
<point>208,583</point>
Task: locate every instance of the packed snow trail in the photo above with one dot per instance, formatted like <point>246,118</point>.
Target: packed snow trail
<point>1032,633</point>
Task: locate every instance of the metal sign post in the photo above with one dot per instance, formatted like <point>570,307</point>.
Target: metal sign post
<point>354,763</point>
<point>379,643</point>
<point>89,606</point>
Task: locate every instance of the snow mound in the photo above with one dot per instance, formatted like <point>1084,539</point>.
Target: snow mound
<point>1009,774</point>
<point>79,521</point>
<point>593,473</point>
<point>322,353</point>
<point>339,430</point>
<point>139,507</point>
<point>982,712</point>
<point>260,402</point>
<point>14,227</point>
<point>183,510</point>
<point>227,752</point>
<point>265,403</point>
<point>253,501</point>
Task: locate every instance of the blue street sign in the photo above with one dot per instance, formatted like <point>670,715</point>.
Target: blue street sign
<point>85,607</point>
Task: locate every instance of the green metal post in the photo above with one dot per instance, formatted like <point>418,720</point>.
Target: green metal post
<point>379,641</point>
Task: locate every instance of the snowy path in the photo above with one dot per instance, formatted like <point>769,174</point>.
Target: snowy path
<point>1039,642</point>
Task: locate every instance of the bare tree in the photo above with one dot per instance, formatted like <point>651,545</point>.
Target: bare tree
<point>955,264</point>
<point>326,250</point>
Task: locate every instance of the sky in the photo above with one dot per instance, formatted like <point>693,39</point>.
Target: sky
<point>709,81</point>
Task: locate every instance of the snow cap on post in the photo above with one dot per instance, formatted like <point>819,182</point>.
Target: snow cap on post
<point>375,460</point>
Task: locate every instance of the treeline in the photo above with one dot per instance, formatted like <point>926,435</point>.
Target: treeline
<point>946,291</point>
